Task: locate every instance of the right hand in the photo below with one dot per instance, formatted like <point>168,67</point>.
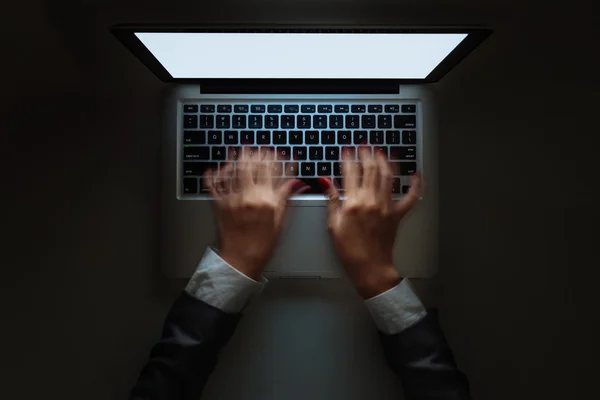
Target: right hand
<point>363,227</point>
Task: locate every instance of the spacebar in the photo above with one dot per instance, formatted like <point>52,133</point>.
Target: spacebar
<point>313,183</point>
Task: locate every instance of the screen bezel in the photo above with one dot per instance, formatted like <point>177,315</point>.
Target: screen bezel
<point>126,34</point>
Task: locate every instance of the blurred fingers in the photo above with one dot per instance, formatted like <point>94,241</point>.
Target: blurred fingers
<point>409,200</point>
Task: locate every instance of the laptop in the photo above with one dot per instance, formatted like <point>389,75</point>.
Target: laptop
<point>308,94</point>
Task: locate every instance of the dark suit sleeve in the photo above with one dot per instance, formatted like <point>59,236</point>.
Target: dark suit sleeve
<point>181,362</point>
<point>422,358</point>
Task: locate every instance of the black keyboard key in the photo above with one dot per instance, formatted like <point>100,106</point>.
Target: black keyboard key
<point>409,108</point>
<point>405,189</point>
<point>274,109</point>
<point>384,121</point>
<point>263,137</point>
<point>375,108</point>
<point>233,152</point>
<point>392,137</point>
<point>190,122</point>
<point>311,137</point>
<point>283,153</point>
<point>368,121</point>
<point>215,137</point>
<point>349,152</point>
<point>277,169</point>
<point>396,186</point>
<point>360,137</point>
<point>272,121</point>
<point>358,108</point>
<point>315,153</point>
<point>196,153</point>
<point>308,108</point>
<point>279,137</point>
<point>352,121</point>
<point>239,121</point>
<point>337,169</point>
<point>405,167</point>
<point>392,108</point>
<point>207,121</point>
<point>404,153</point>
<point>380,149</point>
<point>324,169</point>
<point>327,137</point>
<point>288,121</point>
<point>258,108</point>
<point>231,137</point>
<point>332,153</point>
<point>247,137</point>
<point>223,121</point>
<point>409,137</point>
<point>240,108</point>
<point>405,121</point>
<point>207,108</point>
<point>250,151</point>
<point>307,168</point>
<point>325,108</point>
<point>344,137</point>
<point>376,137</point>
<point>299,153</point>
<point>291,168</point>
<point>224,108</point>
<point>342,108</point>
<point>336,121</point>
<point>291,109</point>
<point>304,121</point>
<point>255,121</point>
<point>295,137</point>
<point>320,121</point>
<point>190,108</point>
<point>194,137</point>
<point>219,153</point>
<point>198,168</point>
<point>267,152</point>
<point>190,185</point>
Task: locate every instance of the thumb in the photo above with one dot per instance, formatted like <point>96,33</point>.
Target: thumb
<point>333,205</point>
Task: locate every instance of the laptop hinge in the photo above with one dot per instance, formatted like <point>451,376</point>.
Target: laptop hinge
<point>329,87</point>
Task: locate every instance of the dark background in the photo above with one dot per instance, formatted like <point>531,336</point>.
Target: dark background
<point>82,299</point>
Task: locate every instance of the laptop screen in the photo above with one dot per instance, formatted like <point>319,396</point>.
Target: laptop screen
<point>235,55</point>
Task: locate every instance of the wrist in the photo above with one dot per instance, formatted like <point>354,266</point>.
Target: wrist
<point>245,265</point>
<point>377,281</point>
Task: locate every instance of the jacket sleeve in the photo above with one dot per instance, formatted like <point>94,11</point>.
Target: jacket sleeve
<point>422,358</point>
<point>181,362</point>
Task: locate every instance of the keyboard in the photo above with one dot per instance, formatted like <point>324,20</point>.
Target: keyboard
<point>307,139</point>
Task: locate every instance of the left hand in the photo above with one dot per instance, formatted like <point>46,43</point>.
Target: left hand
<point>250,211</point>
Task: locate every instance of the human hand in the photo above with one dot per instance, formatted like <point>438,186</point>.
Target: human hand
<point>363,226</point>
<point>250,208</point>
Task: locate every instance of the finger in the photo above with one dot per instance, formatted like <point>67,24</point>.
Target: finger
<point>386,178</point>
<point>244,174</point>
<point>209,183</point>
<point>407,202</point>
<point>263,170</point>
<point>333,205</point>
<point>223,184</point>
<point>350,171</point>
<point>370,169</point>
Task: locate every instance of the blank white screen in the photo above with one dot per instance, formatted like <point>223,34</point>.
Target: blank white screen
<point>300,56</point>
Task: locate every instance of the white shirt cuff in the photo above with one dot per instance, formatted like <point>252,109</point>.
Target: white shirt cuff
<point>396,309</point>
<point>217,283</point>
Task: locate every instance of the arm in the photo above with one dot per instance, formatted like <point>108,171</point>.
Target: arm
<point>204,317</point>
<point>363,229</point>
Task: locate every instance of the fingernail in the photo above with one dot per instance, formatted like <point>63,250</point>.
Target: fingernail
<point>325,183</point>
<point>302,189</point>
<point>297,184</point>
